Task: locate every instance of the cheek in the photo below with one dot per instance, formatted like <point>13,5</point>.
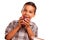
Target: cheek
<point>23,13</point>
<point>31,15</point>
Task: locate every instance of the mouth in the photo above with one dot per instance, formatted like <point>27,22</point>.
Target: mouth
<point>26,17</point>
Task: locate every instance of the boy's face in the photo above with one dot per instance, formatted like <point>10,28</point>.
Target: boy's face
<point>28,11</point>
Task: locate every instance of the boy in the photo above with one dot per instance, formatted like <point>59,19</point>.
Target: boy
<point>23,29</point>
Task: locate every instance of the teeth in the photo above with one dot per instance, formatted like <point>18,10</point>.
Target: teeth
<point>26,17</point>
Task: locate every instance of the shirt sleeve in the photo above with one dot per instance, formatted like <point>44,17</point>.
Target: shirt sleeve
<point>9,28</point>
<point>35,30</point>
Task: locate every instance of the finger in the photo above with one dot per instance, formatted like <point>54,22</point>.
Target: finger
<point>27,23</point>
<point>21,18</point>
<point>20,21</point>
<point>26,20</point>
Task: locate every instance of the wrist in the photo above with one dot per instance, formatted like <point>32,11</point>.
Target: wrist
<point>27,27</point>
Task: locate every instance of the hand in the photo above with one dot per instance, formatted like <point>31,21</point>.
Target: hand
<point>20,21</point>
<point>24,21</point>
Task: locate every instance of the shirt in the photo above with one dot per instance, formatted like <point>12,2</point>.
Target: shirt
<point>22,33</point>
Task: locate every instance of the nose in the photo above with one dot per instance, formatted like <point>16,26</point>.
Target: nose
<point>26,13</point>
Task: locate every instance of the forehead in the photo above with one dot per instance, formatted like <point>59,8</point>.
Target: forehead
<point>29,7</point>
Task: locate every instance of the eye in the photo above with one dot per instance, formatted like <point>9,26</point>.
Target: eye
<point>30,11</point>
<point>25,10</point>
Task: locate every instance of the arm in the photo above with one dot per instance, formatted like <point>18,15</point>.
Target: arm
<point>30,33</point>
<point>34,29</point>
<point>29,30</point>
<point>13,31</point>
<point>33,35</point>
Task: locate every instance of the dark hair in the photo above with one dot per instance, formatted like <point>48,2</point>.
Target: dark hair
<point>32,4</point>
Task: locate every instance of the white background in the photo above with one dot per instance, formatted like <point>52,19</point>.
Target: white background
<point>47,17</point>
